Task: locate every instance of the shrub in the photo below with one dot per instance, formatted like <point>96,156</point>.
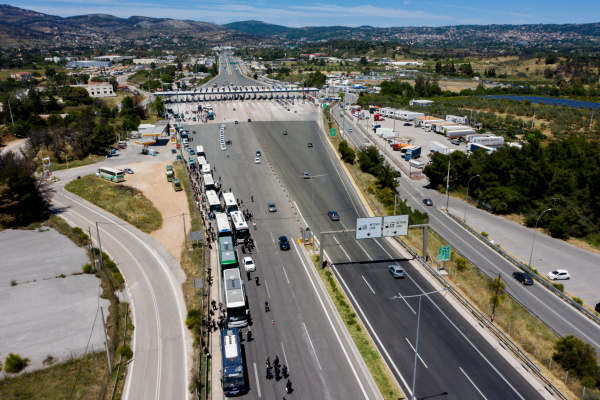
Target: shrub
<point>87,269</point>
<point>461,264</point>
<point>559,286</point>
<point>578,300</point>
<point>125,351</point>
<point>484,234</point>
<point>495,299</point>
<point>14,363</point>
<point>370,189</point>
<point>574,354</point>
<point>193,319</point>
<point>588,382</point>
<point>497,283</point>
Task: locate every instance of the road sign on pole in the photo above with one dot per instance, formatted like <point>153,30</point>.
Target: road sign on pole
<point>368,228</point>
<point>395,225</point>
<point>444,253</point>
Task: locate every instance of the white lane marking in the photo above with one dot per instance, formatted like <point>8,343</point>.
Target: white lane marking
<point>311,345</point>
<point>407,302</point>
<point>364,250</point>
<point>134,342</point>
<point>286,277</point>
<point>368,285</point>
<point>272,237</point>
<point>284,356</point>
<point>473,384</point>
<point>418,355</point>
<point>349,259</point>
<point>167,272</point>
<point>343,225</point>
<point>331,323</point>
<point>364,318</point>
<point>257,384</point>
<point>268,294</point>
<point>158,325</point>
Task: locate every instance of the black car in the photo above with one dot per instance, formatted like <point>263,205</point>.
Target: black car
<point>524,278</point>
<point>283,243</point>
<point>333,215</point>
<point>597,308</point>
<point>407,124</point>
<point>427,202</point>
<point>285,132</point>
<point>236,122</point>
<point>310,145</point>
<point>249,120</point>
<point>173,151</point>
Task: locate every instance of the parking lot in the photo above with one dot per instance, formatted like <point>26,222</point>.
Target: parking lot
<point>46,310</point>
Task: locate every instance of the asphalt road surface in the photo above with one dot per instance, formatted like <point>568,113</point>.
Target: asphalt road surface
<point>555,312</point>
<point>302,327</point>
<point>454,358</point>
<point>230,74</point>
<point>160,366</point>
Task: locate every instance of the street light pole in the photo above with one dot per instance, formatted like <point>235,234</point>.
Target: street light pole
<point>448,185</point>
<point>67,156</point>
<point>534,232</point>
<point>467,199</point>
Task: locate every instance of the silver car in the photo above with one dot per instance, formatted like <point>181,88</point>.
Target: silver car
<point>272,207</point>
<point>396,271</point>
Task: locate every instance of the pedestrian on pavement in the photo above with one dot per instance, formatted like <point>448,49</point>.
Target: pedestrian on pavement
<point>251,215</point>
<point>284,370</point>
<point>252,198</point>
<point>268,362</point>
<point>256,280</point>
<point>288,386</point>
<point>276,362</point>
<point>227,155</point>
<point>267,306</point>
<point>214,303</point>
<point>220,307</point>
<point>254,225</point>
<point>268,372</point>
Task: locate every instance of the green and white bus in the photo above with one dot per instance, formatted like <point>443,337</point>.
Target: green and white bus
<point>115,175</point>
<point>227,256</point>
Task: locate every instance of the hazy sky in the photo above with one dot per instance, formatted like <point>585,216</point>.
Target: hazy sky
<point>382,13</point>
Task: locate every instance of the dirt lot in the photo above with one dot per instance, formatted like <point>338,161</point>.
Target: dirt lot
<point>150,178</point>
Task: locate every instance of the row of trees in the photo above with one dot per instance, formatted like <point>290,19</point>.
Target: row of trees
<point>564,176</point>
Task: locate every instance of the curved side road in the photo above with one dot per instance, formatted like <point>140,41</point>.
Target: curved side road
<point>153,277</point>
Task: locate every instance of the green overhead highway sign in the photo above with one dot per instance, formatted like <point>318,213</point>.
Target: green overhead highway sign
<point>332,132</point>
<point>444,253</point>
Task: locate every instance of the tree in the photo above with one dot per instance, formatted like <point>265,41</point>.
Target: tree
<point>104,136</point>
<point>347,153</point>
<point>363,60</point>
<point>438,67</point>
<point>166,78</point>
<point>387,177</point>
<point>50,72</point>
<point>369,160</point>
<point>153,65</point>
<point>255,76</point>
<point>96,79</point>
<point>14,363</point>
<point>179,66</point>
<point>573,354</point>
<point>158,107</point>
<point>551,59</point>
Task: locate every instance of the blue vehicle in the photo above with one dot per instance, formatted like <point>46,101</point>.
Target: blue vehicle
<point>232,377</point>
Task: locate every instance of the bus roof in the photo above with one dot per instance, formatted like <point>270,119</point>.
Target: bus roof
<point>238,220</point>
<point>222,223</point>
<point>112,170</point>
<point>234,294</point>
<point>229,199</point>
<point>208,179</point>
<point>202,160</point>
<point>226,251</point>
<point>212,197</point>
<point>232,357</point>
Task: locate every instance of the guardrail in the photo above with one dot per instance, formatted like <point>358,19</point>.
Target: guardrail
<point>510,345</point>
<point>528,270</point>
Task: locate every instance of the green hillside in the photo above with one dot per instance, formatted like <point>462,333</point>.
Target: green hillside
<point>258,28</point>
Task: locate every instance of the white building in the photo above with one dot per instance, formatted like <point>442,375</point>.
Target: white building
<point>98,89</point>
<point>112,58</point>
<point>420,102</point>
<point>145,61</point>
<point>54,59</point>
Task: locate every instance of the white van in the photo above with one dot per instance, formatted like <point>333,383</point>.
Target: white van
<point>416,164</point>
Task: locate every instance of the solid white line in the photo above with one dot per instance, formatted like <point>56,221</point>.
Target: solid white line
<point>272,237</point>
<point>169,274</point>
<point>473,383</point>
<point>268,294</point>
<point>286,277</point>
<point>331,323</point>
<point>364,250</point>
<point>257,384</point>
<point>418,355</point>
<point>284,356</point>
<point>368,285</point>
<point>133,344</point>
<point>349,259</point>
<point>311,345</point>
<point>407,302</point>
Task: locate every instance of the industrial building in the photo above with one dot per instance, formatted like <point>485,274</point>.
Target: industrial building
<point>98,89</point>
<point>89,64</point>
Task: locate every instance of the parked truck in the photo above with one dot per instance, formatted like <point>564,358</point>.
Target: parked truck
<point>454,133</point>
<point>412,153</point>
<point>437,147</point>
<point>211,115</point>
<point>400,146</point>
<point>471,147</point>
<point>371,109</point>
<point>490,141</point>
<point>377,117</point>
<point>386,132</point>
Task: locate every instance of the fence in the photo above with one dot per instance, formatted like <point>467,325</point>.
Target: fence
<point>528,270</point>
<point>485,321</point>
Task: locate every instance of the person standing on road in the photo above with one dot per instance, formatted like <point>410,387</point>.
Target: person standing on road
<point>252,198</point>
<point>254,225</point>
<point>267,306</point>
<point>268,362</point>
<point>284,371</point>
<point>256,280</point>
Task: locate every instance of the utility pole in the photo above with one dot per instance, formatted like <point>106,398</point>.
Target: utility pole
<point>496,297</point>
<point>106,339</point>
<point>185,235</point>
<point>100,246</point>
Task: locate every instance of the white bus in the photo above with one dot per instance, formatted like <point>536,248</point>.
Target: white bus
<point>229,203</point>
<point>202,160</point>
<point>239,226</point>
<point>214,205</point>
<point>200,151</point>
<point>206,169</point>
<point>115,175</point>
<point>223,227</point>
<point>209,183</point>
<point>236,307</point>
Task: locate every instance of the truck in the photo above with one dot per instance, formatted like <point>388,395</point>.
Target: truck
<point>400,146</point>
<point>371,109</point>
<point>471,147</point>
<point>386,132</point>
<point>211,115</point>
<point>427,124</point>
<point>184,135</point>
<point>375,127</point>
<point>412,153</point>
<point>437,147</point>
<point>378,117</point>
<point>453,133</point>
<point>177,185</point>
<point>439,127</point>
<point>490,141</point>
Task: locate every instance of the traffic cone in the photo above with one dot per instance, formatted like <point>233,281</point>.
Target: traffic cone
<point>272,322</point>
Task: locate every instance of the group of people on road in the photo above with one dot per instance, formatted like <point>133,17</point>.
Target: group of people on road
<point>278,372</point>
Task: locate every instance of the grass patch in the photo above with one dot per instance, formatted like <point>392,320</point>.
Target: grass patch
<point>516,322</point>
<point>125,202</point>
<point>379,371</point>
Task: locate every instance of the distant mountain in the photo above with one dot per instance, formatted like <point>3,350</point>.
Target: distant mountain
<point>259,28</point>
<point>18,25</point>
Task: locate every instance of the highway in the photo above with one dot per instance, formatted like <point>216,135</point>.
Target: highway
<point>455,359</point>
<point>161,344</point>
<point>302,327</point>
<point>555,312</point>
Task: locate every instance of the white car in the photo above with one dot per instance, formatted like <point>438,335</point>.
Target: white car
<point>257,161</point>
<point>249,265</point>
<point>559,274</point>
